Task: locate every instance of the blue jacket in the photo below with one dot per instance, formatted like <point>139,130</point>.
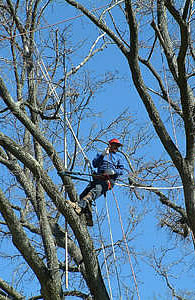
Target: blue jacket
<point>108,162</point>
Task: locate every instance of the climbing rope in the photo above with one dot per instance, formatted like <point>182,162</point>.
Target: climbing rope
<point>126,244</point>
<point>112,242</point>
<point>65,166</point>
<point>123,183</point>
<point>104,252</point>
<point>124,238</point>
<point>53,90</point>
<point>150,187</point>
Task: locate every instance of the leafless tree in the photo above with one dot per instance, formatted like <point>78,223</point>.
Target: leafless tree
<point>171,38</point>
<point>34,123</point>
<point>32,113</point>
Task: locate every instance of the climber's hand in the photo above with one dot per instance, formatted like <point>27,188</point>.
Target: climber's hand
<point>106,151</point>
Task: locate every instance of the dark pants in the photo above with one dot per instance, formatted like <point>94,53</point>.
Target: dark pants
<point>97,188</point>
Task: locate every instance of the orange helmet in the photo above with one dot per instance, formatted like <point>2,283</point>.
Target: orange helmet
<point>115,141</point>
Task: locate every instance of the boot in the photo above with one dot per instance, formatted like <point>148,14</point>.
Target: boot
<point>84,206</point>
<point>75,205</point>
<point>87,209</point>
<point>88,214</point>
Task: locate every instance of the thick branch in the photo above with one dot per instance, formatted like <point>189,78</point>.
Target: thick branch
<point>133,61</point>
<point>37,134</point>
<point>21,240</point>
<point>94,278</point>
<point>187,97</point>
<point>9,290</point>
<point>100,24</point>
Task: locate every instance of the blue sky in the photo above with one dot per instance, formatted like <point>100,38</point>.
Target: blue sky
<point>149,235</point>
<point>112,101</point>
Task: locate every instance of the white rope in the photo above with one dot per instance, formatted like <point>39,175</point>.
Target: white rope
<point>113,250</point>
<point>150,187</point>
<point>126,244</point>
<point>65,166</point>
<point>104,253</point>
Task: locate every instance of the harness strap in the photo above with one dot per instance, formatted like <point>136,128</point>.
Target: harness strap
<point>105,177</point>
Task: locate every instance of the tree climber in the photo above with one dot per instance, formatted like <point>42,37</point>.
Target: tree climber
<point>109,168</point>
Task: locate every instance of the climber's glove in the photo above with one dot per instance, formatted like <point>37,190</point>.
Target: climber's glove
<point>106,151</point>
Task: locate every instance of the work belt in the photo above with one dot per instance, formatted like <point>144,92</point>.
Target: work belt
<point>104,177</point>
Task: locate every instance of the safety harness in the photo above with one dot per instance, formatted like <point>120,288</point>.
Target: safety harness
<point>95,177</point>
<point>104,177</point>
